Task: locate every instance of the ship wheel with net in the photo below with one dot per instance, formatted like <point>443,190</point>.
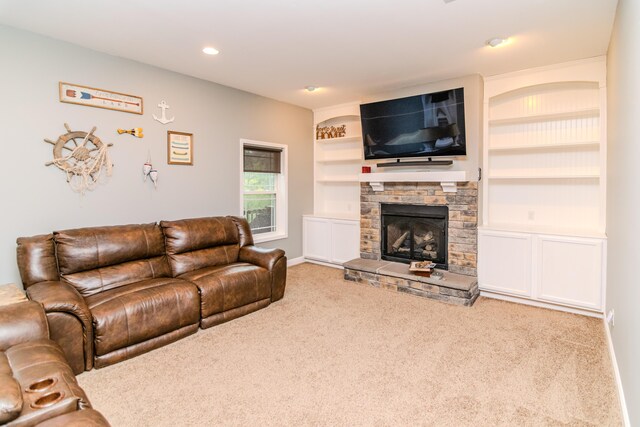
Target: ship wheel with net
<point>82,156</point>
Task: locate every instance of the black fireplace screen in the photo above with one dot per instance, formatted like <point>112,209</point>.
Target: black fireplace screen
<point>415,233</point>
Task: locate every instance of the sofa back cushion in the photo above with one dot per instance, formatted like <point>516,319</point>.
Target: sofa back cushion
<point>101,258</point>
<point>37,259</point>
<point>197,243</point>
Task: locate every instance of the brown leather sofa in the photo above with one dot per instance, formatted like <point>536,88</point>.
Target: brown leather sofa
<point>37,386</point>
<point>111,293</point>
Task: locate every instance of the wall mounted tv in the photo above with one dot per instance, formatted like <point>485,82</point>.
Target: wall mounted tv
<point>426,125</point>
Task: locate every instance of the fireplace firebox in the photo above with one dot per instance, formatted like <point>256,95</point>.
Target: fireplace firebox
<point>414,233</point>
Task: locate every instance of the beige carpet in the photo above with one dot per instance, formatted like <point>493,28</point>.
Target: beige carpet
<point>343,354</point>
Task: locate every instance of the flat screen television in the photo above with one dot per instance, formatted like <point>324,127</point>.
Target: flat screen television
<point>426,125</point>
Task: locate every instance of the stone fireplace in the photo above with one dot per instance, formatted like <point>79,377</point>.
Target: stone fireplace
<point>459,238</point>
<point>418,220</point>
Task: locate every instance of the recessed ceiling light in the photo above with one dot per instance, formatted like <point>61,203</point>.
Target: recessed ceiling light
<point>496,41</point>
<point>311,88</point>
<point>210,51</point>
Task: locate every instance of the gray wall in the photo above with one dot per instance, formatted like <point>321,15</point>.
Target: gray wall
<point>623,198</point>
<point>36,199</point>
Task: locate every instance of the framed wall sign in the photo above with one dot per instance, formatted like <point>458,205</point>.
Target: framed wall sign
<point>100,98</point>
<point>179,148</point>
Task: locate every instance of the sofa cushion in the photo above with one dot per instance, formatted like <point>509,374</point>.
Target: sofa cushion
<point>132,314</point>
<point>10,393</point>
<point>197,243</point>
<point>229,286</point>
<point>101,258</point>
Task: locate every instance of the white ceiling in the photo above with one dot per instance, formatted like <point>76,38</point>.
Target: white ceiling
<point>350,48</point>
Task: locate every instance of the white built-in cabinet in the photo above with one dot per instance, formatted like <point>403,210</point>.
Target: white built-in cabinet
<point>330,240</point>
<point>542,235</point>
<point>332,233</point>
<point>559,270</point>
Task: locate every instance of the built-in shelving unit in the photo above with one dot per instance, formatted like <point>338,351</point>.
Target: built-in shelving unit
<point>337,162</point>
<point>332,233</point>
<point>544,148</point>
<point>542,236</point>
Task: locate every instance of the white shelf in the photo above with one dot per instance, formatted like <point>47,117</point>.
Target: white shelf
<point>546,177</point>
<point>339,179</point>
<point>564,115</point>
<point>341,139</point>
<point>564,145</point>
<point>427,176</point>
<point>541,229</point>
<point>347,216</point>
<point>343,160</point>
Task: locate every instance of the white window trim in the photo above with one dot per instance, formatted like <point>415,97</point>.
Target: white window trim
<point>282,203</point>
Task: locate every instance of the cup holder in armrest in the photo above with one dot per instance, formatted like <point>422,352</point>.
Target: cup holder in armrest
<point>41,385</point>
<point>47,400</point>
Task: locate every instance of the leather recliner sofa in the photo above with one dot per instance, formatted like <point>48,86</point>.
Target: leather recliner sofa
<point>37,386</point>
<point>111,293</point>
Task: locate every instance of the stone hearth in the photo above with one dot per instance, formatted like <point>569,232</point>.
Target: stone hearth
<point>452,288</point>
<point>463,218</point>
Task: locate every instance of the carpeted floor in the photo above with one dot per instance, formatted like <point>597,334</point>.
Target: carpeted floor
<point>343,354</point>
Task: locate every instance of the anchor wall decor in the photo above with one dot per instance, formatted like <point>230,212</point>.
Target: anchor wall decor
<point>163,119</point>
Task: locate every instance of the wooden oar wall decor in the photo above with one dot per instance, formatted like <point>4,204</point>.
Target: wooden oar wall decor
<point>100,98</point>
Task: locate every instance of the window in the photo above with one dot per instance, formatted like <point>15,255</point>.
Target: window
<point>264,189</point>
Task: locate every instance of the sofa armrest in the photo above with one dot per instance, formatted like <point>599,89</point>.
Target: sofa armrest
<point>262,257</point>
<point>11,400</point>
<point>271,259</point>
<point>22,322</point>
<point>60,297</point>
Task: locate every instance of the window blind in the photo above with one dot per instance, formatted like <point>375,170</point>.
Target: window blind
<point>262,159</point>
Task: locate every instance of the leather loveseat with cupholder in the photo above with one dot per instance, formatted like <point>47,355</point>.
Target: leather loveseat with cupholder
<point>37,385</point>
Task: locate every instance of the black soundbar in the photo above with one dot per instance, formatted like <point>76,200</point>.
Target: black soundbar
<point>416,163</point>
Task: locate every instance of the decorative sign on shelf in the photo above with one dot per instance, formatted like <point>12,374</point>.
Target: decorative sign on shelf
<point>329,132</point>
<point>100,98</point>
<point>179,148</point>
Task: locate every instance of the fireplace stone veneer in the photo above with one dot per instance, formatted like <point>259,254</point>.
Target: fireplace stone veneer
<point>463,218</point>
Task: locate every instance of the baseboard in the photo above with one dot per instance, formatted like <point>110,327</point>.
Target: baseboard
<point>295,261</point>
<point>326,264</point>
<point>616,373</point>
<point>301,260</point>
<point>526,301</point>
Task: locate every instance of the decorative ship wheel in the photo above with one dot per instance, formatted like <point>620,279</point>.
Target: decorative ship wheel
<point>82,156</point>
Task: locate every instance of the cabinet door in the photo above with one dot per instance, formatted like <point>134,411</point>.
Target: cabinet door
<point>345,241</point>
<point>316,238</point>
<point>569,270</point>
<point>504,262</point>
